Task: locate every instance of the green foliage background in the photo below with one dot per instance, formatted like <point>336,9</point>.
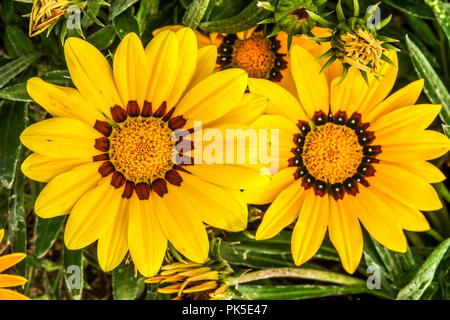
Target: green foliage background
<point>422,26</point>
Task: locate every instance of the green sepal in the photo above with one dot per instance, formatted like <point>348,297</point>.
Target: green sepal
<point>344,73</point>
<point>340,12</point>
<point>327,54</point>
<point>319,19</point>
<point>328,64</point>
<point>385,58</point>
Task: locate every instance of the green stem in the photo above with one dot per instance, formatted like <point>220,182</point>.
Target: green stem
<point>436,235</point>
<point>415,239</point>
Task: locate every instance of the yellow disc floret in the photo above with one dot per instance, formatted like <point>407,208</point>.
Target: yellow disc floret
<point>332,153</point>
<point>141,149</point>
<point>254,55</point>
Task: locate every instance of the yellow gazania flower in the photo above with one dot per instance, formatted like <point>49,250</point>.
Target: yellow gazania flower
<point>9,280</point>
<point>263,57</point>
<point>348,154</point>
<point>116,177</point>
<point>45,13</point>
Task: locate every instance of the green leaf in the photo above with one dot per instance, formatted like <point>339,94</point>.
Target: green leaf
<point>103,38</point>
<point>146,10</point>
<point>13,117</point>
<point>125,285</point>
<point>195,13</point>
<point>46,232</point>
<point>246,19</point>
<point>296,292</point>
<point>119,6</point>
<point>434,88</point>
<point>126,23</point>
<point>412,7</point>
<point>73,272</point>
<point>18,41</point>
<point>16,221</point>
<point>425,275</point>
<point>13,68</point>
<point>226,8</point>
<point>441,11</point>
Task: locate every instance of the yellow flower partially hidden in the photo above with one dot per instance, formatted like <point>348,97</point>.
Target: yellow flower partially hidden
<point>190,281</point>
<point>349,154</point>
<point>107,153</point>
<point>9,280</point>
<point>45,13</point>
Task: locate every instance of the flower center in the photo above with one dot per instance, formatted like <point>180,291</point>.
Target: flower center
<point>362,50</point>
<point>336,156</point>
<point>332,153</point>
<point>301,14</point>
<point>257,55</point>
<point>141,149</point>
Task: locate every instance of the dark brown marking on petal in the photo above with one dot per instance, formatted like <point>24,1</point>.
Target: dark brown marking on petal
<point>351,186</point>
<point>354,120</point>
<point>299,140</point>
<point>106,169</point>
<point>102,144</point>
<point>177,122</point>
<point>179,168</point>
<point>359,178</point>
<point>308,181</point>
<point>101,157</point>
<point>297,151</point>
<point>128,190</point>
<point>340,117</point>
<point>337,191</point>
<point>142,190</point>
<point>146,109</point>
<point>320,188</point>
<point>160,187</point>
<point>103,127</point>
<point>320,118</point>
<point>371,151</point>
<point>366,138</point>
<point>184,145</point>
<point>117,180</point>
<point>301,172</point>
<point>366,170</point>
<point>295,161</point>
<point>118,114</point>
<point>168,114</point>
<point>173,177</point>
<point>370,160</point>
<point>161,110</point>
<point>304,127</point>
<point>133,109</point>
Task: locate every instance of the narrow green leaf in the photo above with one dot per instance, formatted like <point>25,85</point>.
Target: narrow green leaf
<point>434,88</point>
<point>125,23</point>
<point>13,117</point>
<point>18,41</point>
<point>441,11</point>
<point>246,19</point>
<point>125,285</point>
<point>412,7</point>
<point>425,275</point>
<point>195,13</point>
<point>119,6</point>
<point>13,68</point>
<point>296,292</point>
<point>103,38</point>
<point>146,10</point>
<point>46,232</point>
<point>73,272</point>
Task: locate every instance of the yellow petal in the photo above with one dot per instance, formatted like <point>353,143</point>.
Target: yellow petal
<point>283,211</point>
<point>91,74</point>
<point>146,239</point>
<point>113,244</point>
<point>286,128</point>
<point>312,86</point>
<point>219,207</point>
<point>268,192</point>
<point>213,97</point>
<point>246,111</point>
<point>409,218</point>
<point>162,58</point>
<point>62,102</point>
<point>427,145</point>
<point>61,193</point>
<point>187,62</point>
<point>44,168</point>
<point>379,220</point>
<point>6,294</point>
<point>392,180</point>
<point>425,170</point>
<point>311,227</point>
<point>407,96</point>
<point>403,121</point>
<point>345,232</point>
<point>206,63</point>
<point>92,215</point>
<point>61,138</point>
<point>183,229</point>
<point>283,101</point>
<point>10,280</point>
<point>9,260</point>
<point>2,233</point>
<point>131,70</point>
